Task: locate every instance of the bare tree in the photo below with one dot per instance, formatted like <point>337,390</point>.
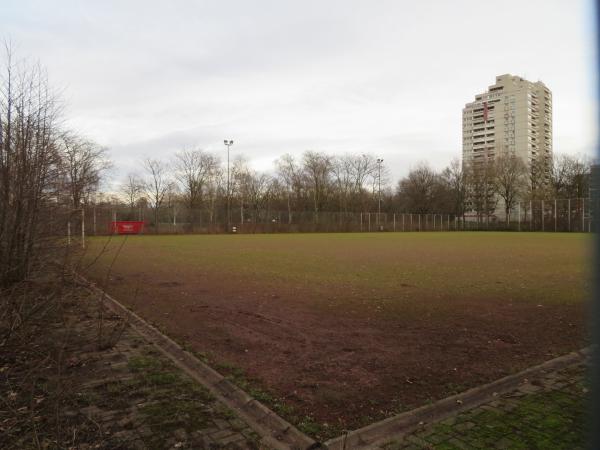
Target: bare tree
<point>416,192</point>
<point>578,171</point>
<point>132,189</point>
<point>156,186</point>
<point>455,180</point>
<point>239,184</point>
<point>539,178</point>
<point>559,175</point>
<point>258,186</point>
<point>193,171</point>
<point>29,163</point>
<point>364,167</point>
<point>510,180</point>
<point>317,170</point>
<point>480,182</point>
<point>342,171</point>
<point>84,162</point>
<point>215,190</point>
<point>291,178</point>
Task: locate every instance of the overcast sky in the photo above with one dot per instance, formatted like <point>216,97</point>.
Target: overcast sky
<point>147,78</point>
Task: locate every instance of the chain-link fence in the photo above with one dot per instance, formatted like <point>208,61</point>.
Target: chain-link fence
<point>568,215</point>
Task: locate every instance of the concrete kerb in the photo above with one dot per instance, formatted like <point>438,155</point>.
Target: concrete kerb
<point>275,431</point>
<point>397,426</point>
<point>280,434</point>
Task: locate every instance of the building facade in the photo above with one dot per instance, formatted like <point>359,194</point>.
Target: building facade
<point>513,116</point>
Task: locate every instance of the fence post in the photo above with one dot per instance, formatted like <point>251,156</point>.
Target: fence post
<point>583,215</point>
<point>369,215</point>
<point>519,216</point>
<point>402,221</point>
<point>411,223</point>
<point>543,215</point>
<point>94,219</point>
<point>69,232</point>
<point>361,225</point>
<point>419,222</point>
<point>530,215</point>
<point>394,221</point>
<point>555,214</point>
<point>569,215</point>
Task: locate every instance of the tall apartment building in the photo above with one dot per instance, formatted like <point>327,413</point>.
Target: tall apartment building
<point>514,116</point>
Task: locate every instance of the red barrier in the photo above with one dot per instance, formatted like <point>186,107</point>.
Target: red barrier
<point>127,227</point>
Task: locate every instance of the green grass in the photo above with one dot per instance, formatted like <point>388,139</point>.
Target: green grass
<point>536,267</point>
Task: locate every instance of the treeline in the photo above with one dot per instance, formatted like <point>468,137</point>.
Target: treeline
<point>494,184</point>
<point>318,182</point>
<point>42,165</point>
<point>315,182</point>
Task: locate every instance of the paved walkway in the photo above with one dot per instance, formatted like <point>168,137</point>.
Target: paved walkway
<point>123,396</point>
<point>140,400</point>
<point>546,413</point>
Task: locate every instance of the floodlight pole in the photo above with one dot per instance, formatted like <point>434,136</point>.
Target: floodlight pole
<point>379,161</point>
<point>228,143</point>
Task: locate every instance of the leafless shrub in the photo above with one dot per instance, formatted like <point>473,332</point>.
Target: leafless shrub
<point>29,164</point>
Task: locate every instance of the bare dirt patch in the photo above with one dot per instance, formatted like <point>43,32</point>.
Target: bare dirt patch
<point>337,354</point>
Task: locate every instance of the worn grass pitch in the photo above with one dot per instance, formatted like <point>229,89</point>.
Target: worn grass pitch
<point>338,330</point>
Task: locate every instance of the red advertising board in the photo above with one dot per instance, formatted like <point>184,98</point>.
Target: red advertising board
<point>127,227</point>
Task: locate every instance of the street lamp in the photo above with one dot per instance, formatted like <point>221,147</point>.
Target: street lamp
<point>379,161</point>
<point>228,143</point>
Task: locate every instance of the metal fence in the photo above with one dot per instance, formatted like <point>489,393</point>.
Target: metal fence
<point>569,215</point>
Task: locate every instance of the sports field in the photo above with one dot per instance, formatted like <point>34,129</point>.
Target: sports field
<point>338,330</point>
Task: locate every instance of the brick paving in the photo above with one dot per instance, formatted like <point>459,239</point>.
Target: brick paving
<point>545,413</point>
<point>139,399</point>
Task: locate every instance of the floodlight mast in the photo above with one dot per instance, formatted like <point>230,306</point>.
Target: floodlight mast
<point>228,143</point>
